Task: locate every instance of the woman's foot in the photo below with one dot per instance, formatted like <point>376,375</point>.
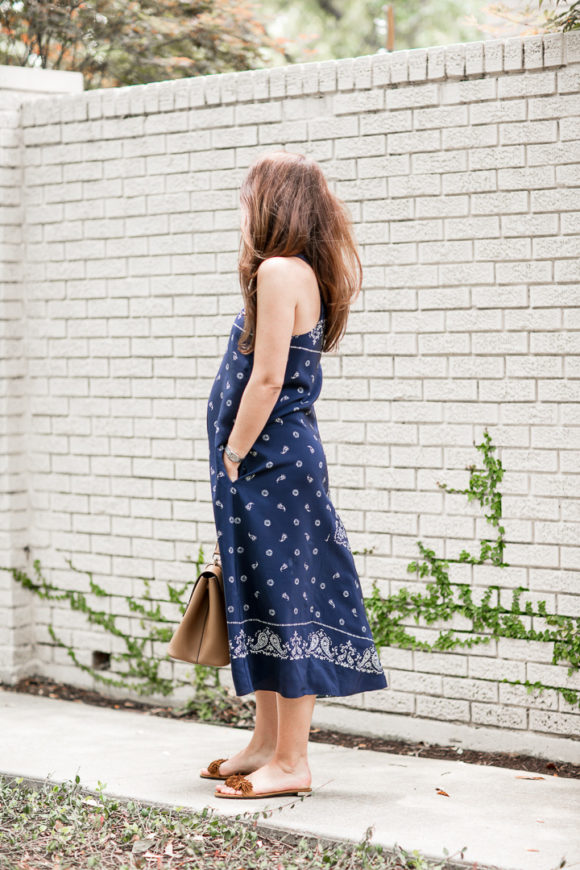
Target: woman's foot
<point>245,761</point>
<point>272,777</point>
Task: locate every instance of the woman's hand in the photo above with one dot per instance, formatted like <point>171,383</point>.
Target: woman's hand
<point>231,467</point>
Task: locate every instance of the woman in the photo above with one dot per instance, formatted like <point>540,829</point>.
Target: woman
<point>297,625</point>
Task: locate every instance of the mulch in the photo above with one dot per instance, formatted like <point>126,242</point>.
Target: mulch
<point>37,685</point>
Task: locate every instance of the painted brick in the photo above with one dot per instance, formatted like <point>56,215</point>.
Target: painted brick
<point>554,723</point>
<point>120,228</point>
<point>499,716</point>
<point>359,101</point>
<point>446,709</point>
<point>389,702</point>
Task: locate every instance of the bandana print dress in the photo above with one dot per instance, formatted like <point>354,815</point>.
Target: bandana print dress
<point>295,613</point>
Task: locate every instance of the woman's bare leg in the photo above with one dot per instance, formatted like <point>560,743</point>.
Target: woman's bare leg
<point>288,766</point>
<point>263,741</point>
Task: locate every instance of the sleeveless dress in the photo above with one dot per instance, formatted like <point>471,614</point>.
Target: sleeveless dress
<point>296,619</point>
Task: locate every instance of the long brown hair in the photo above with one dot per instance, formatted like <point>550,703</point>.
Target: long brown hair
<point>289,209</point>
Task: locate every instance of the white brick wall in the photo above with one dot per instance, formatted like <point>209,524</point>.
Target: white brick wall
<point>16,608</point>
<point>460,167</point>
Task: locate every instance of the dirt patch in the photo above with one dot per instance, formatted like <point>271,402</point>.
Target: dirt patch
<point>51,689</point>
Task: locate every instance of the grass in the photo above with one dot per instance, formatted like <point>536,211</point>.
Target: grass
<point>63,825</point>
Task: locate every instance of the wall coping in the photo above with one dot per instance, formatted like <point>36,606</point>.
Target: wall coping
<point>417,66</point>
<point>52,81</point>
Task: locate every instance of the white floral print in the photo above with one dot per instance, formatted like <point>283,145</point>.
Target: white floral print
<point>295,612</point>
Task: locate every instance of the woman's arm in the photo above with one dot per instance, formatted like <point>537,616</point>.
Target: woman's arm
<point>277,296</point>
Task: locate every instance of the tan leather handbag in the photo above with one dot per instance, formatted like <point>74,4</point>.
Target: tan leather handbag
<point>201,637</point>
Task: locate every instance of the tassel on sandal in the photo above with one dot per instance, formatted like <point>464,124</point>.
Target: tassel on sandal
<point>239,781</point>
<point>213,770</point>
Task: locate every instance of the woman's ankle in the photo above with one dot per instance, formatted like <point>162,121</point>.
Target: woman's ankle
<point>262,746</point>
<point>291,763</point>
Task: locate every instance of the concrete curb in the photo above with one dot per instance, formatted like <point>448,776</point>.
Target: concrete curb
<point>506,819</point>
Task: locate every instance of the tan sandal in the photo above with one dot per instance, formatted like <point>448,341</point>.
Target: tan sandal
<point>213,770</point>
<point>239,781</point>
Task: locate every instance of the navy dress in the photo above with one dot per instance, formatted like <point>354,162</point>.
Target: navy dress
<point>295,613</point>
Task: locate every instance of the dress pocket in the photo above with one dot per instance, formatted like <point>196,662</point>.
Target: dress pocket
<point>245,467</point>
<point>248,465</point>
<point>242,467</point>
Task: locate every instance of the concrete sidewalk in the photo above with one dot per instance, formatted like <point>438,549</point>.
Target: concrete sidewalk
<point>505,818</point>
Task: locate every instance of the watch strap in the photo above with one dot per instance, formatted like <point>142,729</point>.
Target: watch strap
<point>233,456</point>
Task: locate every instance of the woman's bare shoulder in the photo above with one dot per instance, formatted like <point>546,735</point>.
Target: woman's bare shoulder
<point>281,266</point>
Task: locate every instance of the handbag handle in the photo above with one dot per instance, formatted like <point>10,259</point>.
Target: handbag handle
<point>216,555</point>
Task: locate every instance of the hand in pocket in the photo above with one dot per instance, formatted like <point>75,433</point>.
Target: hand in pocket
<point>232,468</point>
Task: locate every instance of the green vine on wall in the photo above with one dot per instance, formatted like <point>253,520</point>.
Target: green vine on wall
<point>140,660</point>
<point>441,601</point>
<point>444,598</point>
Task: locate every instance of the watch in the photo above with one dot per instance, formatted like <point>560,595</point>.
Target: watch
<point>233,456</point>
